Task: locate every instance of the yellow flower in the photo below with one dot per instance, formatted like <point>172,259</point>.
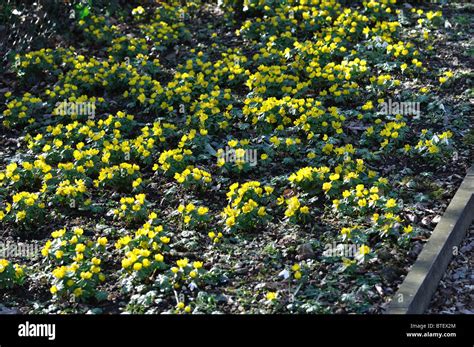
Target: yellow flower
<point>78,231</point>
<point>59,272</point>
<point>375,217</point>
<point>182,263</point>
<point>269,189</point>
<point>271,296</point>
<point>202,210</point>
<point>126,263</point>
<point>327,186</point>
<point>363,250</point>
<point>230,221</point>
<point>141,98</point>
<point>368,106</point>
<point>391,203</point>
<point>304,209</point>
<point>86,275</point>
<point>348,262</point>
<point>346,231</point>
<point>295,267</point>
<point>21,215</point>
<point>239,153</point>
<point>77,292</point>
<point>165,239</point>
<point>18,270</point>
<point>232,143</point>
<point>190,207</point>
<point>102,241</point>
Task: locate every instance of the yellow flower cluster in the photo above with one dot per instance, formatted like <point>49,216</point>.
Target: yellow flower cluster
<point>66,188</point>
<point>185,272</point>
<point>97,29</point>
<point>173,160</point>
<point>247,205</point>
<point>26,209</point>
<point>143,253</point>
<point>77,263</point>
<point>193,176</point>
<point>10,274</point>
<point>21,111</point>
<point>132,208</point>
<point>72,193</point>
<point>294,209</point>
<point>193,216</point>
<point>124,176</point>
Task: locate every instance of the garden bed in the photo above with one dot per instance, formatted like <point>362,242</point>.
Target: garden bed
<point>270,165</point>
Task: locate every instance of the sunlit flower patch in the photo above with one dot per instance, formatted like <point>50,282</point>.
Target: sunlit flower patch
<point>222,156</point>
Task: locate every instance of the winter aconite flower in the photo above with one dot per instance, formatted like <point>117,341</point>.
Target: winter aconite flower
<point>271,296</point>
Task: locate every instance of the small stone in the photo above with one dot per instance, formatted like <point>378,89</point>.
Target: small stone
<point>436,219</point>
<point>305,251</point>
